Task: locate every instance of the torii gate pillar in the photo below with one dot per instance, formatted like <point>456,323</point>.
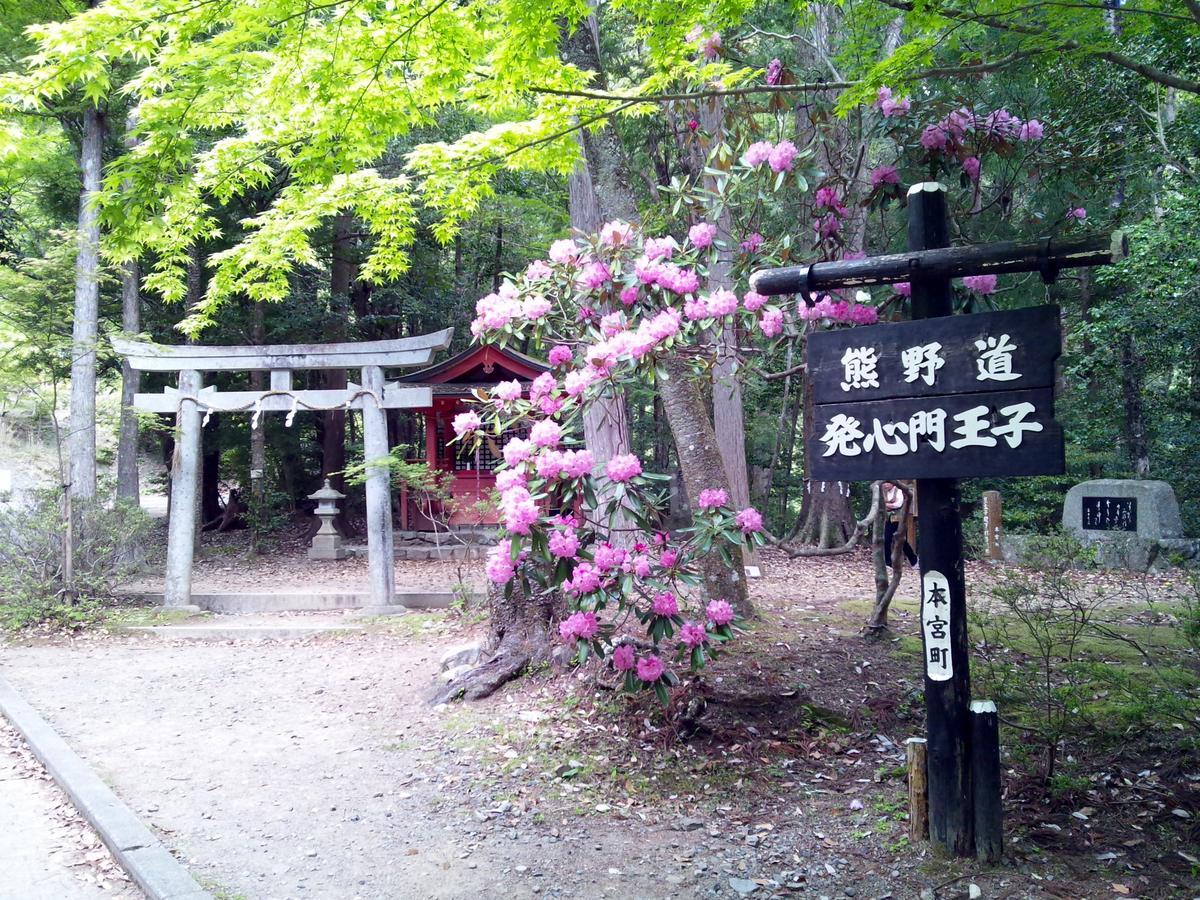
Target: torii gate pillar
<point>380,552</point>
<point>185,480</point>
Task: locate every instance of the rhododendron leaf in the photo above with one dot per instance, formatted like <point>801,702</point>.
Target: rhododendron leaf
<point>660,691</point>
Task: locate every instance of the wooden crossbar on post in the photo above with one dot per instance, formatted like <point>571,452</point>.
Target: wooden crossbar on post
<point>1047,256</point>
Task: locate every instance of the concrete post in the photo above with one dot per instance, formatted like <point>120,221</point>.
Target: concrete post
<point>185,485</point>
<point>380,552</point>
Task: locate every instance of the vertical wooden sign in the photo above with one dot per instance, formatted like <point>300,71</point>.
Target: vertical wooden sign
<point>992,526</point>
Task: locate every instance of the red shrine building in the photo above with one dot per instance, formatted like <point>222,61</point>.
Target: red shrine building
<point>451,383</point>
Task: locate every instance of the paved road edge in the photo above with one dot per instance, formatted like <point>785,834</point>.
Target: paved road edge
<point>137,850</point>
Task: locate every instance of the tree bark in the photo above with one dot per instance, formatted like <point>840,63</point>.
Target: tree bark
<point>825,514</point>
<point>728,409</point>
<point>1133,365</point>
<point>702,467</point>
<point>522,636</point>
<point>81,437</point>
<point>341,276</point>
<point>131,379</point>
<point>598,192</point>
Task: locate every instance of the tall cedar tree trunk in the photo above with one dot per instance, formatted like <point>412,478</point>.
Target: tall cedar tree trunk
<point>131,379</point>
<point>683,399</point>
<point>81,434</point>
<point>826,516</point>
<point>728,409</point>
<point>598,192</point>
<point>341,276</point>
<point>1133,366</point>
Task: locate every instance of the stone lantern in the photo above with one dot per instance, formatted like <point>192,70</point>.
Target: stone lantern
<point>326,543</point>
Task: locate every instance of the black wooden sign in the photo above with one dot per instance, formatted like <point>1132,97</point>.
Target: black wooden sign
<point>1011,350</point>
<point>951,397</point>
<point>1110,513</point>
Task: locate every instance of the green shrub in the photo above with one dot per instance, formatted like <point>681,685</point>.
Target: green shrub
<point>33,587</point>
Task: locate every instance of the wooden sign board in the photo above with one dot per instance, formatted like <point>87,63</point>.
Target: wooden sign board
<point>953,397</point>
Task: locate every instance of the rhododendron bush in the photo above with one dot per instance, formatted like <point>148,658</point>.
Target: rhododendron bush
<point>606,310</point>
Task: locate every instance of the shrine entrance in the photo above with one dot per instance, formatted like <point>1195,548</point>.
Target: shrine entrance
<point>192,403</point>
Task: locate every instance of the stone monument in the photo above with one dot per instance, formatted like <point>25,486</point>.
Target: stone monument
<point>1130,523</point>
<point>326,543</point>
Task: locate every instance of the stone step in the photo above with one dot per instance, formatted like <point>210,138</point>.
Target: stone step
<point>234,632</point>
<point>251,603</point>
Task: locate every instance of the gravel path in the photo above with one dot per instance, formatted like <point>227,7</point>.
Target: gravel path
<point>48,851</point>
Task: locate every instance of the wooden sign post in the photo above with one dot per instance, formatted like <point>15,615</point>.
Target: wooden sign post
<point>993,526</point>
<point>936,399</point>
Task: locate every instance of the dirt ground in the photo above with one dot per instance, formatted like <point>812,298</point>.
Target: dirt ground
<point>316,768</point>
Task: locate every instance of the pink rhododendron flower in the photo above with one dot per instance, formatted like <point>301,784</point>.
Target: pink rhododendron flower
<point>701,234</point>
<point>550,405</point>
<point>535,307</point>
<point>971,166</point>
<point>711,46</point>
<point>616,233</point>
<point>629,295</point>
<point>508,479</point>
<point>693,125</point>
<point>934,138</point>
<point>1003,124</point>
<point>694,35</point>
<point>517,450</point>
<point>624,658</point>
<point>1078,213</point>
<point>665,604</point>
<point>579,625</point>
<point>650,669</point>
<point>584,580</point>
<point>980,284</point>
<point>783,156</point>
<point>757,154</point>
<point>464,423</point>
<point>660,248</point>
<point>578,463</point>
<point>692,635</point>
<point>664,325</point>
<point>753,301</point>
<point>545,433</point>
<point>827,198</point>
<point>507,391</point>
<point>537,270</point>
<point>711,498</point>
<point>827,226</point>
<point>520,510</point>
<point>774,72</point>
<point>749,520</point>
<point>752,243</point>
<point>595,275</point>
<point>577,381</point>
<point>721,302</point>
<point>499,568</point>
<point>564,252</point>
<point>771,322</point>
<point>607,557</point>
<point>623,467</point>
<point>694,310</point>
<point>542,385</point>
<point>719,612</point>
<point>564,544</point>
<point>668,558</point>
<point>903,288</point>
<point>548,464</point>
<point>560,355</point>
<point>641,566</point>
<point>1033,130</point>
<point>884,175</point>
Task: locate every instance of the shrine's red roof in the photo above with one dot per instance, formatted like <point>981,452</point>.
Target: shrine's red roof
<point>478,366</point>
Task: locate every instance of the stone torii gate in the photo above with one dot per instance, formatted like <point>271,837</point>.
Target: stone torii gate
<point>191,401</point>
